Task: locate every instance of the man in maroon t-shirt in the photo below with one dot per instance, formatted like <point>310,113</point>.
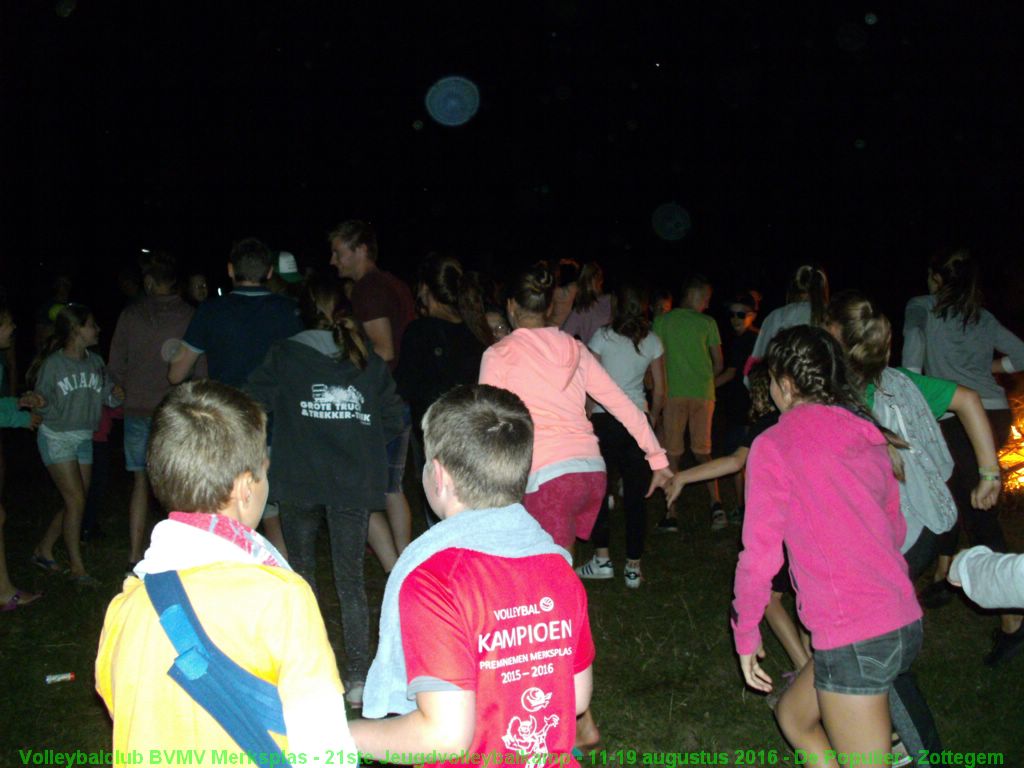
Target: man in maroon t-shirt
<point>384,305</point>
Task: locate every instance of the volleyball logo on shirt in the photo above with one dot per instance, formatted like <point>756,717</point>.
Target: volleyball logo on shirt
<point>523,735</point>
<point>534,699</point>
<point>547,604</point>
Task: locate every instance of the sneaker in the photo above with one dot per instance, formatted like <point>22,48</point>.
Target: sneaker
<point>668,525</point>
<point>719,519</point>
<point>936,594</point>
<point>611,501</point>
<point>354,695</point>
<point>899,755</point>
<point>736,516</point>
<point>1005,646</point>
<point>596,568</point>
<point>631,573</point>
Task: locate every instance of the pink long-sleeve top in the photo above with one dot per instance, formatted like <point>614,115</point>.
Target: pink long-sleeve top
<point>553,373</point>
<point>821,481</point>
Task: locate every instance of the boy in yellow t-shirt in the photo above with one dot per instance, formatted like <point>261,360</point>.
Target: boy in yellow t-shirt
<point>207,456</point>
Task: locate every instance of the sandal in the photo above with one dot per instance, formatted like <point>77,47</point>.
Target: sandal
<point>19,599</point>
<point>50,566</point>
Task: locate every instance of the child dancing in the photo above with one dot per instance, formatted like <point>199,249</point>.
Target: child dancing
<point>823,482</point>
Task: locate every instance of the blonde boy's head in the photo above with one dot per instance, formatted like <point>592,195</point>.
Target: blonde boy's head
<point>483,437</point>
<point>203,437</point>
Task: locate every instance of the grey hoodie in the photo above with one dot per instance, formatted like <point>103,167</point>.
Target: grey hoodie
<point>75,391</point>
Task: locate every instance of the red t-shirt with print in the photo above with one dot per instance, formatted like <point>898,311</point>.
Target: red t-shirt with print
<point>515,631</point>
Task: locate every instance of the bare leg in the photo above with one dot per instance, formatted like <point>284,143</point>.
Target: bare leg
<point>381,541</point>
<point>800,719</point>
<point>399,518</point>
<point>786,631</point>
<point>7,589</point>
<point>69,481</point>
<point>138,509</point>
<point>857,724</point>
<point>587,734</point>
<point>712,485</point>
<point>602,553</point>
<point>942,569</point>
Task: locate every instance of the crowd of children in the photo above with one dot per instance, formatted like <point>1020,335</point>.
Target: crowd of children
<point>517,403</point>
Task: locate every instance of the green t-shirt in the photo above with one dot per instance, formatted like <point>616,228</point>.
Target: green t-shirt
<point>938,393</point>
<point>688,337</point>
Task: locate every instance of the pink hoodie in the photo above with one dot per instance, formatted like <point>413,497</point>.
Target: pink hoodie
<point>553,373</point>
<point>821,481</point>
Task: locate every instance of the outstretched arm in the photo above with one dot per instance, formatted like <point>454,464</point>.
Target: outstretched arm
<point>967,406</point>
<point>181,365</point>
<point>443,721</point>
<point>726,465</point>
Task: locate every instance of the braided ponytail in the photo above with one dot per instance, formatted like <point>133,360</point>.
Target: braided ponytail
<point>814,362</point>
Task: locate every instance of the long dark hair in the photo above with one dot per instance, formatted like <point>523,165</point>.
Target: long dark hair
<point>69,319</point>
<point>865,334</point>
<point>959,295</point>
<point>630,318</point>
<point>815,363</point>
<point>590,282</point>
<point>323,306</point>
<point>810,281</point>
<point>459,290</point>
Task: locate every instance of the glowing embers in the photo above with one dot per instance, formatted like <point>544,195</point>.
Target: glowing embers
<point>1011,457</point>
<point>671,221</point>
<point>453,100</point>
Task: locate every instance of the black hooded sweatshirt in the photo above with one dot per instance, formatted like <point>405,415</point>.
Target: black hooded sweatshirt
<point>332,422</point>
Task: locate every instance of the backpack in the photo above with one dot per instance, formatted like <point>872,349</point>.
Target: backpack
<point>924,496</point>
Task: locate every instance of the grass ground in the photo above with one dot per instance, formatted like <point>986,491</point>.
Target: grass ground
<point>666,676</point>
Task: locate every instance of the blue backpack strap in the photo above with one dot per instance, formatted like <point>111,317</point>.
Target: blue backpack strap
<point>245,706</point>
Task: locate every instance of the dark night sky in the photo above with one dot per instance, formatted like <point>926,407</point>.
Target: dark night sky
<point>789,131</point>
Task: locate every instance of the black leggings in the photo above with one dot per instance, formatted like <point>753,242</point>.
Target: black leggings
<point>981,526</point>
<point>619,450</point>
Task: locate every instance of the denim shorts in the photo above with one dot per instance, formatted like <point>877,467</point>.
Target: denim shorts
<point>136,440</point>
<point>868,667</point>
<point>62,447</point>
<point>398,449</point>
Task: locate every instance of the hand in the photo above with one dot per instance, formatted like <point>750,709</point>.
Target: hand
<point>118,392</point>
<point>986,494</point>
<point>954,568</point>
<point>34,421</point>
<point>753,675</point>
<point>658,480</point>
<point>32,400</point>
<point>674,488</point>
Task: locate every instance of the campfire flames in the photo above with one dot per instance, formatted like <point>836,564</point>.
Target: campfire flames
<point>1011,458</point>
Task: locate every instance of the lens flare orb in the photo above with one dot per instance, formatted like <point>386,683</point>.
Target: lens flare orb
<point>453,101</point>
<point>671,221</point>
